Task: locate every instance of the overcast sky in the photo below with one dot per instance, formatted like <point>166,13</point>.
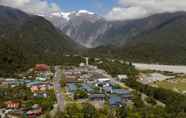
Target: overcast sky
<point>111,9</point>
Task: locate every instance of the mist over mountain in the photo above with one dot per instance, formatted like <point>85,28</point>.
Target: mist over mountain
<point>82,26</point>
<point>148,39</point>
<point>91,30</point>
<point>160,38</point>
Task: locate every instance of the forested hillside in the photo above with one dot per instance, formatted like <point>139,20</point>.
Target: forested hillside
<point>27,39</point>
<point>156,39</point>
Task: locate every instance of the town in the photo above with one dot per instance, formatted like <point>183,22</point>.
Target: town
<point>39,85</point>
<point>100,82</point>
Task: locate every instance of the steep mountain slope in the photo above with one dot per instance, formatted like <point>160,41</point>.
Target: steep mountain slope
<point>157,39</point>
<point>27,39</point>
<point>165,43</point>
<point>82,26</point>
<point>121,31</point>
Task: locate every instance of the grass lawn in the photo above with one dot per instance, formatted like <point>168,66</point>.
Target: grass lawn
<point>177,84</point>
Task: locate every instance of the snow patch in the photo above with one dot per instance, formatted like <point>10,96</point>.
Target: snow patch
<point>85,12</point>
<point>66,15</point>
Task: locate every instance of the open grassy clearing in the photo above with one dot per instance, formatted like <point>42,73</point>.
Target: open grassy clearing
<point>178,84</point>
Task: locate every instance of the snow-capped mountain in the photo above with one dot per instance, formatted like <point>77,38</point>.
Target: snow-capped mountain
<point>68,15</point>
<point>82,26</point>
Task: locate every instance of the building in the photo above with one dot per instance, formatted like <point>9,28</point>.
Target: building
<point>40,95</point>
<point>124,94</point>
<point>122,77</point>
<point>120,91</point>
<point>15,114</point>
<point>87,87</point>
<point>97,97</point>
<point>101,80</point>
<point>71,78</point>
<point>71,88</point>
<point>35,111</point>
<point>41,67</point>
<point>115,101</point>
<point>107,89</point>
<point>40,87</point>
<point>41,78</point>
<point>13,104</point>
<point>97,100</point>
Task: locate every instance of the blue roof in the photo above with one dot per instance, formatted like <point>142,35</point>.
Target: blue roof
<point>33,83</point>
<point>120,91</point>
<point>87,87</point>
<point>115,100</point>
<point>71,87</point>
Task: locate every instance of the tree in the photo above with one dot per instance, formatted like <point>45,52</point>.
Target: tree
<point>63,83</point>
<point>151,100</point>
<point>89,111</point>
<point>79,94</point>
<point>73,111</point>
<point>122,112</point>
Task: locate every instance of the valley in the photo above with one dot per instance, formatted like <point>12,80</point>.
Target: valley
<point>164,68</point>
<point>78,64</point>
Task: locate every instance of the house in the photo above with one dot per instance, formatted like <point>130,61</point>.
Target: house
<point>82,64</point>
<point>120,91</point>
<point>2,113</point>
<point>102,80</point>
<point>71,88</point>
<point>35,111</point>
<point>107,89</point>
<point>124,94</point>
<point>97,97</point>
<point>41,78</point>
<point>115,101</point>
<point>97,100</point>
<point>13,104</point>
<point>40,95</point>
<point>87,88</point>
<point>71,79</point>
<point>41,67</point>
<point>15,114</point>
<point>122,77</point>
<point>4,84</point>
<point>40,87</point>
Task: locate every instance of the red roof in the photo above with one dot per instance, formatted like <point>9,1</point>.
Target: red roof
<point>41,67</point>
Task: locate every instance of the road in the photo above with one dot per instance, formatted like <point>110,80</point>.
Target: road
<point>169,68</point>
<point>57,88</point>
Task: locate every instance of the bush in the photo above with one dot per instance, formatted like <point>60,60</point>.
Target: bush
<point>79,94</point>
<point>151,100</point>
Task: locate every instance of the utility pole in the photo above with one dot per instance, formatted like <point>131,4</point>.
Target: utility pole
<point>87,61</point>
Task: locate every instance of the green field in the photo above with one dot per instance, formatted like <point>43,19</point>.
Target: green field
<point>177,84</point>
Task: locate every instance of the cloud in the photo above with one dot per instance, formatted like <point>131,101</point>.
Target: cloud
<point>136,9</point>
<point>38,7</point>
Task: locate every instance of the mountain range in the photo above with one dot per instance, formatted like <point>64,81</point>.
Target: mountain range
<point>159,38</point>
<point>27,39</point>
<point>84,27</point>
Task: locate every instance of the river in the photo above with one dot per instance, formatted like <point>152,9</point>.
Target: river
<point>169,68</point>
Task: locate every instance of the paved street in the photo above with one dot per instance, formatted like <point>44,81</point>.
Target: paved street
<point>57,88</point>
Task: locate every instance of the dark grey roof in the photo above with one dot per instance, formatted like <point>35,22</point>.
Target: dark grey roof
<point>120,91</point>
<point>97,96</point>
